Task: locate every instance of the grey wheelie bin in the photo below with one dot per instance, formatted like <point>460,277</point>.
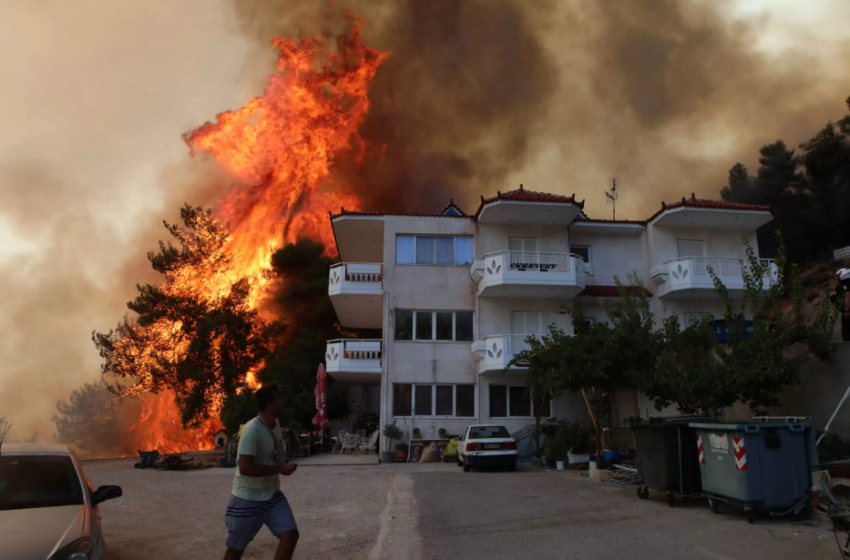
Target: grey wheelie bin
<point>760,466</point>
<point>667,455</point>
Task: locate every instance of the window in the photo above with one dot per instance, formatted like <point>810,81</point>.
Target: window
<point>690,248</point>
<point>402,394</point>
<point>432,250</point>
<point>424,326</point>
<point>445,397</point>
<point>404,248</point>
<point>463,326</point>
<point>585,254</point>
<point>526,322</point>
<point>513,401</point>
<point>519,401</point>
<point>488,432</point>
<point>433,400</point>
<point>403,324</point>
<point>433,325</point>
<point>423,399</point>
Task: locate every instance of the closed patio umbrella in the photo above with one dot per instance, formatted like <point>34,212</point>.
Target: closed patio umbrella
<point>320,420</point>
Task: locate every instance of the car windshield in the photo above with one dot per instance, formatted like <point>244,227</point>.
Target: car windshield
<point>485,432</point>
<point>38,481</point>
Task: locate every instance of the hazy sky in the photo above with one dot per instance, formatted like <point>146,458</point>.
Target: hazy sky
<point>96,94</point>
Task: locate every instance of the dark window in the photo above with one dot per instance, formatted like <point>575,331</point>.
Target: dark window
<point>36,482</point>
<point>463,250</point>
<point>498,401</point>
<point>445,400</point>
<point>423,325</point>
<point>404,249</point>
<point>444,326</point>
<point>520,401</point>
<point>465,405</point>
<point>402,397</point>
<point>424,250</point>
<point>486,432</point>
<point>463,329</point>
<point>403,324</point>
<point>546,412</point>
<point>583,252</point>
<point>423,401</point>
<point>445,250</point>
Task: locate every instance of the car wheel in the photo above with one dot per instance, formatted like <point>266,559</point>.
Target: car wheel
<point>465,467</point>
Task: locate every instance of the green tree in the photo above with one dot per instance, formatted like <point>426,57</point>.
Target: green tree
<point>761,358</point>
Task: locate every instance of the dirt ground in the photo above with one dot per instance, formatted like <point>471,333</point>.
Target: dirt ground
<point>166,514</point>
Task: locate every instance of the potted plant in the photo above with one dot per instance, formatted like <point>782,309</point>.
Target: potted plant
<point>551,429</point>
<point>417,434</point>
<point>392,433</point>
<point>401,452</point>
<point>443,433</point>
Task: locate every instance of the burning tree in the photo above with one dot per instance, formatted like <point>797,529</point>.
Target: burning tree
<point>202,348</point>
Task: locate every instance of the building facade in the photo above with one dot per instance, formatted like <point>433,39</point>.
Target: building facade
<point>455,296</point>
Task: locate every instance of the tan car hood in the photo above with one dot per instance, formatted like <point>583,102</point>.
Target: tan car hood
<point>37,533</point>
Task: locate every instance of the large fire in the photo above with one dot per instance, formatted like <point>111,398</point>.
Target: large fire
<point>279,148</point>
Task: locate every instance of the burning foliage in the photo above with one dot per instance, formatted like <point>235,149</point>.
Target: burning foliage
<point>204,334</point>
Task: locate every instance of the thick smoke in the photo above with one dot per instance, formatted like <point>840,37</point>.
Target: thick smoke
<point>477,96</point>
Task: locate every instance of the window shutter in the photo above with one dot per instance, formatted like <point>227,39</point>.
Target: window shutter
<point>690,248</point>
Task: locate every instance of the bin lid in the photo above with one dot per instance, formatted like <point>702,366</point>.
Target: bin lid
<point>658,421</point>
<point>749,427</point>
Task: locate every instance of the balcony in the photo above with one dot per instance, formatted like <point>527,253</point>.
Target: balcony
<point>356,293</point>
<point>689,277</point>
<point>494,353</point>
<point>529,274</point>
<point>354,362</point>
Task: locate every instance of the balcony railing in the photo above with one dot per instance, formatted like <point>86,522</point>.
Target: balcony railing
<point>354,359</point>
<point>694,274</point>
<point>522,273</point>
<point>355,278</point>
<point>495,352</point>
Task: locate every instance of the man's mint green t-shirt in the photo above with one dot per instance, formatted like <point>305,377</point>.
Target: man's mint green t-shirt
<point>266,447</point>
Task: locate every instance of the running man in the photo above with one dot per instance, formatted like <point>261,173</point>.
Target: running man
<point>256,499</point>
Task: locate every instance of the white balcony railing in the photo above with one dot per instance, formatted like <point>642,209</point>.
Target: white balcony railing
<point>521,273</point>
<point>354,358</point>
<point>495,352</point>
<point>694,274</point>
<point>355,278</point>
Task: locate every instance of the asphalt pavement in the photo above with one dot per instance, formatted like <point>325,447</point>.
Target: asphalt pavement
<point>539,514</point>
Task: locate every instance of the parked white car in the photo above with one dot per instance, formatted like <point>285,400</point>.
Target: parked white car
<point>487,446</point>
<point>48,506</point>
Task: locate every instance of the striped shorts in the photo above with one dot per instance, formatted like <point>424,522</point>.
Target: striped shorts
<point>245,518</point>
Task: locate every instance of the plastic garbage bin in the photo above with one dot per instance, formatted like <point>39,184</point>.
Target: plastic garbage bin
<point>761,466</point>
<point>666,455</point>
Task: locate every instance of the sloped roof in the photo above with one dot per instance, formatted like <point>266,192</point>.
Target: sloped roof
<point>522,195</point>
<point>695,202</point>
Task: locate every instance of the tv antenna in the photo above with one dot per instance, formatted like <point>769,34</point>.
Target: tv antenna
<point>612,196</point>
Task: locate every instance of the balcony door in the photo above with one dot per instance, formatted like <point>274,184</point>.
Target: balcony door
<point>524,323</point>
<point>524,254</point>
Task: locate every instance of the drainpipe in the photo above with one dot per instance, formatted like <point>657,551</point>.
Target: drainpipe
<point>385,360</point>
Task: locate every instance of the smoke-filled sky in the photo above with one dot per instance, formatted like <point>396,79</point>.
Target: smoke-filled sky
<point>477,96</point>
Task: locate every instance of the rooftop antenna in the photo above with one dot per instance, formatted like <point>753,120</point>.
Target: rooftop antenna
<point>612,196</point>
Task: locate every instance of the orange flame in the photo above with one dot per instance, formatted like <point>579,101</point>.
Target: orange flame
<point>279,147</point>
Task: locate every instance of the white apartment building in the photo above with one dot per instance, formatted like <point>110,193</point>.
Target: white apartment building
<point>455,296</point>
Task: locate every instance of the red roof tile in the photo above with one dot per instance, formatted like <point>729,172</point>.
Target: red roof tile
<point>522,195</point>
<point>695,202</point>
<point>611,291</point>
<point>344,212</point>
<point>580,220</point>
